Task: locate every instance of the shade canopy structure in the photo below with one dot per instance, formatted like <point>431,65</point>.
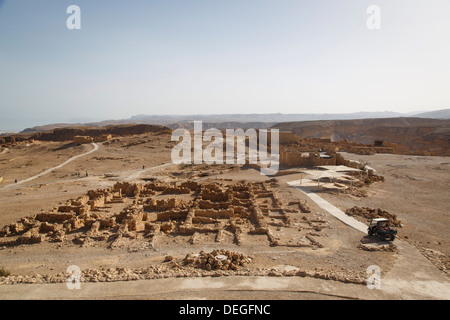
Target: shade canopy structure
<point>331,172</point>
<point>338,168</point>
<point>317,174</point>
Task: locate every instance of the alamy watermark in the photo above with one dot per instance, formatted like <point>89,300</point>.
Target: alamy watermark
<point>74,280</point>
<point>373,22</point>
<point>73,22</point>
<point>374,279</point>
<point>213,153</point>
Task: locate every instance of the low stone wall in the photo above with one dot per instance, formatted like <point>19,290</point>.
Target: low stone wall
<point>54,216</point>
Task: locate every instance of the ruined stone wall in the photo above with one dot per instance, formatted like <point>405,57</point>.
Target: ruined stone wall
<point>171,215</point>
<point>176,190</point>
<point>54,216</point>
<point>207,204</point>
<point>341,161</point>
<point>213,195</point>
<point>386,149</point>
<point>212,213</point>
<point>294,158</point>
<point>229,210</point>
<point>192,185</point>
<point>128,189</point>
<point>103,138</point>
<point>163,204</point>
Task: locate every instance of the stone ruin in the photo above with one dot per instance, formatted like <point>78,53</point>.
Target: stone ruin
<point>372,213</point>
<point>217,260</point>
<point>229,212</point>
<point>311,152</point>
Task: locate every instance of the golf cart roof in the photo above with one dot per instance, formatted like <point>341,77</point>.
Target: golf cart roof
<point>380,219</point>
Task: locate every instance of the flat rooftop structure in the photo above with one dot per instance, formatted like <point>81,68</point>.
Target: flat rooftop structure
<point>338,168</point>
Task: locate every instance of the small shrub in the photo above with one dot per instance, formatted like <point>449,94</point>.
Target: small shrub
<point>4,272</point>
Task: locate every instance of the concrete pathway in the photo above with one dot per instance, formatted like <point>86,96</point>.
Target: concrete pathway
<point>11,186</point>
<point>331,209</point>
<point>414,277</point>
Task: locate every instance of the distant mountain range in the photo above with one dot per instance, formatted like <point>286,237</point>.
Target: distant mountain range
<point>254,120</point>
<point>425,133</point>
<point>438,114</point>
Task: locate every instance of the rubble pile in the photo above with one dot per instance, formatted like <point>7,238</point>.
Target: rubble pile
<point>440,260</point>
<point>217,260</point>
<point>370,213</point>
<point>388,247</point>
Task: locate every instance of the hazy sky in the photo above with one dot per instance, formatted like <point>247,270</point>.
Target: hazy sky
<point>219,56</point>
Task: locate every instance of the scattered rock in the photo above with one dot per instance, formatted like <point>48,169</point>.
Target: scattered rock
<point>370,213</point>
<point>217,260</point>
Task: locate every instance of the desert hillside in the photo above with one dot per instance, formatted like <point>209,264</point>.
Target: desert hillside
<point>412,135</point>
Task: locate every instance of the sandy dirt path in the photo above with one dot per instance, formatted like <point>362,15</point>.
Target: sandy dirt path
<point>137,173</point>
<point>10,186</point>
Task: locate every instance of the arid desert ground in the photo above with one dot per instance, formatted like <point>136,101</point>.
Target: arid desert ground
<point>138,226</point>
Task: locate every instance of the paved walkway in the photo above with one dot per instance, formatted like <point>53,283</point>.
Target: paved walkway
<point>11,186</point>
<point>336,212</point>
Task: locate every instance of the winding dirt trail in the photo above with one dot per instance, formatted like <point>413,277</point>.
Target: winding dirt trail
<point>10,186</point>
<point>137,173</point>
